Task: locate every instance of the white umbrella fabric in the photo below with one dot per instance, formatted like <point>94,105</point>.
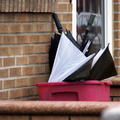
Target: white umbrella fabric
<point>68,59</point>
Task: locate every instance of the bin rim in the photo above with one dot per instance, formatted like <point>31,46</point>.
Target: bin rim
<point>92,82</point>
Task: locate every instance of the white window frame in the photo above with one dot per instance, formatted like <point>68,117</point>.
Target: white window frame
<point>109,24</point>
<point>108,15</point>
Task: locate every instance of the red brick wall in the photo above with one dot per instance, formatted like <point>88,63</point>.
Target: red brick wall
<point>117,33</point>
<point>58,117</point>
<point>24,45</point>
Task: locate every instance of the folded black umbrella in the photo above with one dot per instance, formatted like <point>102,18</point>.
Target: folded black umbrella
<point>104,66</point>
<point>68,60</point>
<point>53,49</point>
<point>56,39</point>
<point>82,73</point>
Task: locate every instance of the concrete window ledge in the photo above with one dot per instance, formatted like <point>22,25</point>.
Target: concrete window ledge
<point>54,107</point>
<point>34,110</point>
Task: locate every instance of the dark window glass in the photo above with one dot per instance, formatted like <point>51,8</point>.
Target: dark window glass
<point>84,9</point>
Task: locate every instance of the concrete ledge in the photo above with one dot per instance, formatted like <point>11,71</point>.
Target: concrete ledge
<point>53,108</point>
<point>115,80</point>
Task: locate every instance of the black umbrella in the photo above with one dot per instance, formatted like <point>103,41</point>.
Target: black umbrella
<point>104,66</point>
<point>56,39</point>
<point>82,73</point>
<point>68,60</point>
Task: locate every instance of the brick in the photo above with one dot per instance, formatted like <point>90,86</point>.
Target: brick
<point>11,5</point>
<point>69,26</point>
<point>69,7</point>
<point>118,70</point>
<point>7,6</point>
<point>9,39</point>
<point>28,28</point>
<point>47,48</point>
<point>35,5</point>
<point>23,5</point>
<point>39,79</point>
<point>19,5</point>
<point>64,26</point>
<point>44,58</point>
<point>116,17</point>
<point>35,91</point>
<point>3,6</point>
<point>15,93</point>
<point>15,50</point>
<point>117,61</point>
<point>22,82</point>
<point>21,17</point>
<point>48,28</point>
<point>15,28</point>
<point>9,84</point>
<point>117,53</point>
<point>39,48</point>
<point>85,118</point>
<point>10,61</point>
<point>61,7</point>
<point>44,17</point>
<point>43,78</point>
<point>31,98</point>
<point>27,5</point>
<point>1,39</point>
<point>50,118</point>
<point>3,51</point>
<point>62,0</point>
<point>116,36</point>
<point>39,69</point>
<point>1,17</point>
<point>47,69</point>
<point>114,92</point>
<point>1,84</point>
<point>3,73</point>
<point>40,27</point>
<point>32,17</point>
<point>15,71</point>
<point>116,99</point>
<point>34,38</point>
<point>42,48</point>
<point>14,117</point>
<point>67,17</point>
<point>116,43</point>
<point>15,5</point>
<point>1,62</point>
<point>45,38</point>
<point>28,70</point>
<point>22,60</point>
<point>22,39</point>
<point>34,59</point>
<point>3,95</point>
<point>116,25</point>
<point>28,49</point>
<point>8,17</point>
<point>27,92</point>
<point>116,1</point>
<point>33,80</point>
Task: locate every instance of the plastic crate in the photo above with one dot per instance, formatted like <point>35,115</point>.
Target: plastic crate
<point>74,91</point>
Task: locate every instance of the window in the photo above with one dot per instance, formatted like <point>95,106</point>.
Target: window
<point>101,30</point>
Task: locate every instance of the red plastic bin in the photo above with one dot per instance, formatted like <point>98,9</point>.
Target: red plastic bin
<point>74,91</point>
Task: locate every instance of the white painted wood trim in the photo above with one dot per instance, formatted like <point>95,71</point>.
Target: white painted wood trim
<point>109,23</point>
<point>74,19</point>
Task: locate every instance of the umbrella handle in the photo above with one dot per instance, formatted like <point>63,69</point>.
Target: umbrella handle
<point>57,22</point>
